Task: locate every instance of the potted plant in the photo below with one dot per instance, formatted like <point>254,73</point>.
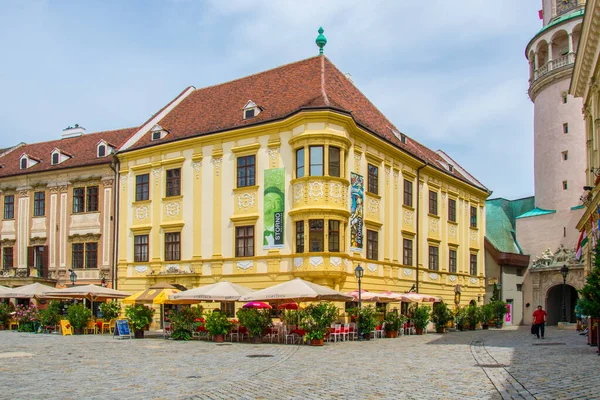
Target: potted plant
<point>50,316</point>
<point>315,319</point>
<point>393,323</point>
<point>110,310</point>
<point>78,316</point>
<point>366,320</point>
<point>183,322</point>
<point>218,325</point>
<point>4,315</point>
<point>460,317</point>
<point>500,309</point>
<point>487,314</point>
<point>139,317</point>
<point>420,317</point>
<point>473,316</point>
<point>440,316</point>
<point>256,321</point>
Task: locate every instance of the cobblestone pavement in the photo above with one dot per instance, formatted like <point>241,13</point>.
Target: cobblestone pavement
<point>492,364</point>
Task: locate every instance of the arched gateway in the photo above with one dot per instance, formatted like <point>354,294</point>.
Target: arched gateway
<point>554,298</point>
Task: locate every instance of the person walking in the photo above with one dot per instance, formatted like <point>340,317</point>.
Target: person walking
<point>539,319</point>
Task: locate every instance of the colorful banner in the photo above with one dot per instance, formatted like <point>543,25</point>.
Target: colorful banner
<point>357,194</point>
<point>508,316</point>
<point>274,202</point>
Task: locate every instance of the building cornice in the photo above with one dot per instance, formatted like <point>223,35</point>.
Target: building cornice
<point>550,78</point>
<point>587,54</point>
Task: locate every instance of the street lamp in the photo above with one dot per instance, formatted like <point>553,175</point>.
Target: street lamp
<point>564,271</point>
<point>359,272</point>
<point>73,277</point>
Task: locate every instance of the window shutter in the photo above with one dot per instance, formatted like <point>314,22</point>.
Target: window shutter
<point>45,265</point>
<point>30,256</point>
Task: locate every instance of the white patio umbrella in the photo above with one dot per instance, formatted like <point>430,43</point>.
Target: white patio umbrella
<point>34,290</point>
<point>220,291</point>
<point>297,290</point>
<point>419,298</point>
<point>367,296</point>
<point>92,292</point>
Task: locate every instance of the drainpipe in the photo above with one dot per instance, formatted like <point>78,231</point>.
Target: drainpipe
<point>418,223</point>
<point>114,165</point>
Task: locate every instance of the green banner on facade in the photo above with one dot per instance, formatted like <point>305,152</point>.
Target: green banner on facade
<point>274,202</point>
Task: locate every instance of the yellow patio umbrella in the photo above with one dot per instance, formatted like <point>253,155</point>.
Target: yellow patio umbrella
<point>156,294</point>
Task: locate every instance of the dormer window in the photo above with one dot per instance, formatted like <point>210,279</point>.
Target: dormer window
<point>55,158</point>
<point>400,136</point>
<point>58,156</point>
<point>27,161</point>
<point>103,149</point>
<point>158,132</point>
<point>403,138</point>
<point>251,110</point>
<point>450,167</point>
<point>24,163</point>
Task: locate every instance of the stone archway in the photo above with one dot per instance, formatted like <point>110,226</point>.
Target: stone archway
<point>554,303</point>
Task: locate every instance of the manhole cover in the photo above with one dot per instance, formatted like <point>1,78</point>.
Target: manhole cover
<point>491,365</point>
<point>550,344</point>
<point>259,355</point>
<point>193,377</point>
<point>223,344</point>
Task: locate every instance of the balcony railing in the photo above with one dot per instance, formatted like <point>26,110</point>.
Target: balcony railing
<point>552,65</point>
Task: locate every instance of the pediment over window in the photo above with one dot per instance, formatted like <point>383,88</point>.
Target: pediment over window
<point>158,132</point>
<point>58,156</point>
<point>27,161</point>
<point>104,148</point>
<point>251,110</point>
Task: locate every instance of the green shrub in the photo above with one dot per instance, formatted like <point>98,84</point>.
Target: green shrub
<point>394,322</point>
<point>217,323</point>
<point>110,310</point>
<point>139,316</point>
<point>78,315</point>
<point>487,313</point>
<point>51,314</point>
<point>366,318</point>
<point>441,315</point>
<point>183,322</point>
<point>5,316</point>
<point>256,321</point>
<point>420,316</point>
<point>316,318</point>
<point>473,315</point>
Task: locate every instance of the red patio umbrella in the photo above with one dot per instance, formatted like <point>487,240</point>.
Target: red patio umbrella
<point>257,304</point>
<point>288,306</point>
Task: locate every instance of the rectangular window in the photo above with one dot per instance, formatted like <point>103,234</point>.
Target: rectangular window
<point>452,261</point>
<point>373,183</point>
<point>408,193</point>
<point>519,287</point>
<point>315,156</point>
<point>7,257</point>
<point>433,206</point>
<point>142,187</point>
<point>473,217</point>
<point>173,246</point>
<point>334,161</point>
<point>246,171</point>
<point>9,207</point>
<point>473,265</point>
<point>407,252</point>
<point>299,236</point>
<point>334,235</point>
<point>565,128</point>
<point>140,248</point>
<point>372,245</point>
<point>564,99</point>
<point>299,163</point>
<point>565,155</point>
<point>39,204</point>
<point>244,241</point>
<point>91,255</point>
<point>316,236</point>
<point>565,185</point>
<point>173,182</point>
<point>434,264</point>
<point>519,271</point>
<point>91,199</point>
<point>78,200</point>
<point>451,210</point>
<point>77,255</point>
<point>38,257</point>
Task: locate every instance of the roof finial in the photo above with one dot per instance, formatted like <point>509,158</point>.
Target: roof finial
<point>321,40</point>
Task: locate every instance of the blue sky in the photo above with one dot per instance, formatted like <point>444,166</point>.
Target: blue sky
<point>450,74</point>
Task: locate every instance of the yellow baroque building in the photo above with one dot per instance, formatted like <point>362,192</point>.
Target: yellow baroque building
<point>288,173</point>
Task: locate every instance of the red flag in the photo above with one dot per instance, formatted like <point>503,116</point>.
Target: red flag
<point>541,14</point>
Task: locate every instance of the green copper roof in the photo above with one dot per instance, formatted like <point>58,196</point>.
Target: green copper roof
<point>321,40</point>
<point>501,221</point>
<point>557,21</point>
<point>536,212</point>
<point>579,207</point>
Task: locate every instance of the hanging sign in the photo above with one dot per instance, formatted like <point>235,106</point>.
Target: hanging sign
<point>357,193</point>
<point>274,207</point>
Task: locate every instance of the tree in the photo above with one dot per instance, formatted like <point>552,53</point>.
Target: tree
<point>589,303</point>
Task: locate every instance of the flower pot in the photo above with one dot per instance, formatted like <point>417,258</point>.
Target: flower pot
<point>219,338</point>
<point>471,327</point>
<point>138,334</point>
<point>316,342</point>
<point>419,331</point>
<point>367,336</point>
<point>485,326</point>
<point>460,327</point>
<point>440,329</point>
<point>498,325</point>
<point>391,334</point>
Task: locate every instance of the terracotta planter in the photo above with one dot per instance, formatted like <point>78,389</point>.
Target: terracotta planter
<point>316,342</point>
<point>391,334</point>
<point>138,334</point>
<point>367,336</point>
<point>77,331</point>
<point>419,331</point>
<point>219,338</point>
<point>485,326</point>
<point>441,329</point>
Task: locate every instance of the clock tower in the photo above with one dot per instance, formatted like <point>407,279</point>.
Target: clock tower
<point>559,141</point>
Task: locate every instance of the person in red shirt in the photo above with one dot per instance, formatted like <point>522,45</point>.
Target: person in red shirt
<point>539,319</point>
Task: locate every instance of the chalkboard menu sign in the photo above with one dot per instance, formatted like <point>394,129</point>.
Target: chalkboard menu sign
<point>122,329</point>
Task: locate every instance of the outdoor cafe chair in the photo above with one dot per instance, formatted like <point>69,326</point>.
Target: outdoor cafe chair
<point>352,333</point>
<point>272,333</point>
<point>379,331</point>
<point>108,326</point>
<point>337,332</point>
<point>91,327</point>
<point>235,332</point>
<point>167,331</point>
<point>345,333</point>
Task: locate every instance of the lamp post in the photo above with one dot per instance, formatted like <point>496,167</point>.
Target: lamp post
<point>73,277</point>
<point>359,272</point>
<point>564,272</point>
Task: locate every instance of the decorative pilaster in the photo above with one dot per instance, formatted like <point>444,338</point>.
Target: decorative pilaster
<point>217,159</point>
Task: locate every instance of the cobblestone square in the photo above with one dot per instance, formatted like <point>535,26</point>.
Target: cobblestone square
<point>492,364</point>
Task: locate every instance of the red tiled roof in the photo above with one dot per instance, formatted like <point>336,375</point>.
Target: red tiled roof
<point>81,148</point>
<point>281,92</point>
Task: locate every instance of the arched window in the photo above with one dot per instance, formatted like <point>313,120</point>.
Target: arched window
<point>101,150</point>
<point>23,163</point>
<point>55,158</point>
